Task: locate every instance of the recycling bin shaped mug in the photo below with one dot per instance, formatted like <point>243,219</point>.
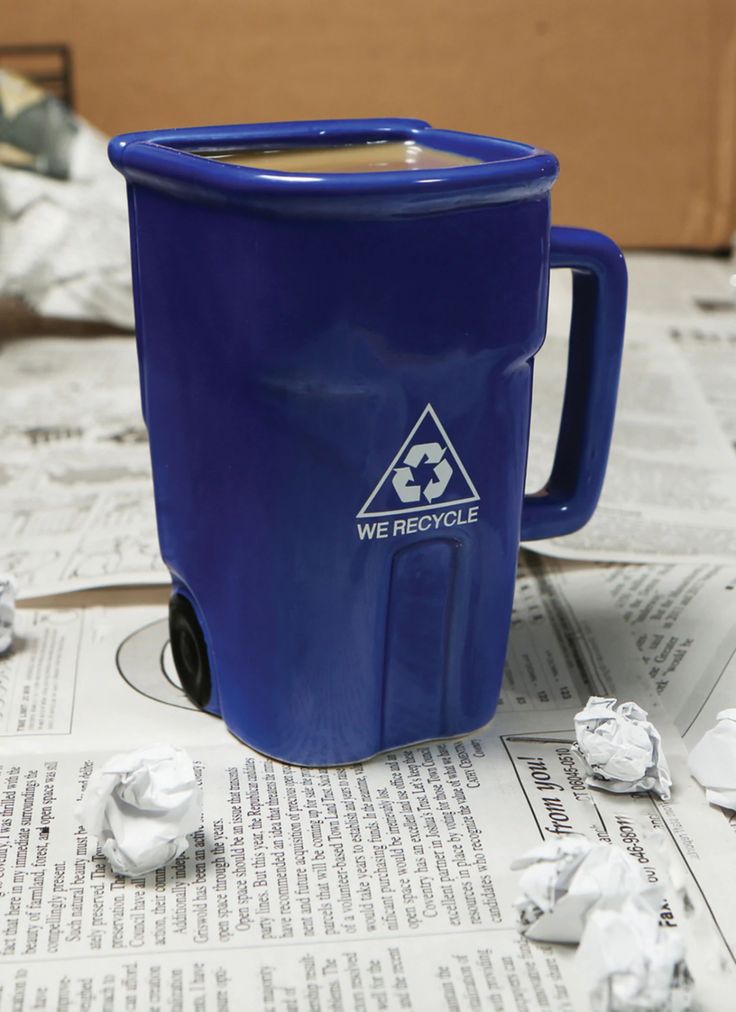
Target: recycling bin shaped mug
<point>336,372</point>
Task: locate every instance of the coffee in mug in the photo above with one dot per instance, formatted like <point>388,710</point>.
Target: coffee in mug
<point>373,156</point>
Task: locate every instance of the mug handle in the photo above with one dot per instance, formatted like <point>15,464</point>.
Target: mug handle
<point>568,499</point>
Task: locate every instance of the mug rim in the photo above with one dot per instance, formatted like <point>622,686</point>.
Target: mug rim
<point>172,160</point>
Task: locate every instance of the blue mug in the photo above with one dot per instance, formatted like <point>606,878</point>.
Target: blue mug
<point>336,373</point>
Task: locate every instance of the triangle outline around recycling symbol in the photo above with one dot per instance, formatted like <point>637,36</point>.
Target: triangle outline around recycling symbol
<point>449,453</point>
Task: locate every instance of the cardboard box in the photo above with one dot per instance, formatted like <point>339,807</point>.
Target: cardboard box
<point>638,100</point>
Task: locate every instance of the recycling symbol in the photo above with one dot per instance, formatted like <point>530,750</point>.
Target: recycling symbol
<point>424,472</point>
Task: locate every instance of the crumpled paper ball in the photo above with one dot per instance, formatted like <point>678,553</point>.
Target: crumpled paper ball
<point>141,805</point>
<point>564,879</point>
<point>620,749</point>
<point>7,611</point>
<point>713,761</point>
<point>630,963</point>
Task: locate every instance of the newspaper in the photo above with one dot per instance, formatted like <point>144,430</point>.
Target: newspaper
<point>670,488</point>
<point>76,500</point>
<point>383,885</point>
<point>678,283</point>
<point>708,345</point>
<point>682,619</point>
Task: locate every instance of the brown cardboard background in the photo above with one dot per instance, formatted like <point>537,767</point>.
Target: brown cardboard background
<point>637,99</point>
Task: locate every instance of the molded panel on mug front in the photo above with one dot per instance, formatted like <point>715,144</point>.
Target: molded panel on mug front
<point>421,620</point>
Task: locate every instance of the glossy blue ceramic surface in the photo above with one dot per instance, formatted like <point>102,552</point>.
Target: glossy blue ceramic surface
<point>336,375</point>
